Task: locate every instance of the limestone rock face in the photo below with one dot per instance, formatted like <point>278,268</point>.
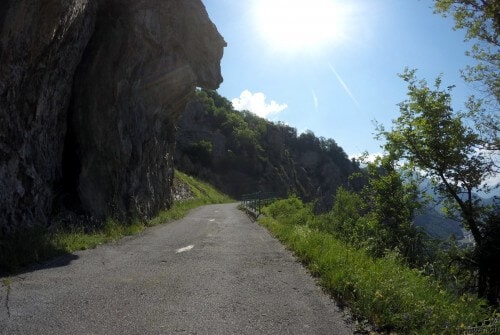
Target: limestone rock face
<point>41,44</point>
<point>140,68</point>
<point>90,93</point>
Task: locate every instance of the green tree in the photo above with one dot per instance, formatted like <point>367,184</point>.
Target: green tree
<point>380,217</point>
<point>481,20</point>
<point>201,151</point>
<point>392,200</point>
<point>433,140</point>
<point>343,219</point>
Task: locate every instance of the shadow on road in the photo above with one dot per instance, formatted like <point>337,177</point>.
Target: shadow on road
<point>56,262</point>
<point>18,256</point>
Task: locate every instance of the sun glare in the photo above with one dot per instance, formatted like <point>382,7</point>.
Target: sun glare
<point>302,25</point>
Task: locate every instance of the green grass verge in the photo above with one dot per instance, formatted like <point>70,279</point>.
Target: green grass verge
<point>388,294</point>
<point>41,244</point>
<point>204,194</point>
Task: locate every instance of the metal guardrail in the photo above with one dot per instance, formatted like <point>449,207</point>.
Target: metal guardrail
<point>256,201</point>
<point>491,326</point>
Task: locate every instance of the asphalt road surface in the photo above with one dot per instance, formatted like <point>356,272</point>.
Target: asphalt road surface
<point>213,272</point>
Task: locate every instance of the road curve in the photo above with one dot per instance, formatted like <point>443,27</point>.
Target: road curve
<point>213,272</point>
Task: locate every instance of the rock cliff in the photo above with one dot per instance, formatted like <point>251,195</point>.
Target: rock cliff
<point>90,93</point>
<point>239,153</point>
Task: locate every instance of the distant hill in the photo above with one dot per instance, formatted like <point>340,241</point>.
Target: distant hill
<point>434,221</point>
<point>438,226</point>
<point>241,153</point>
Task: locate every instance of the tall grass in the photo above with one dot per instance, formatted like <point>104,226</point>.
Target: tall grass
<point>41,244</point>
<point>384,291</point>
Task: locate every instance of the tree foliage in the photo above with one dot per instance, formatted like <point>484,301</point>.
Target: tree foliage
<point>393,201</point>
<point>436,142</point>
<point>481,20</point>
<point>379,218</point>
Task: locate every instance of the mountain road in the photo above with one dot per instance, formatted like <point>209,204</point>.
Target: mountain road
<point>212,272</point>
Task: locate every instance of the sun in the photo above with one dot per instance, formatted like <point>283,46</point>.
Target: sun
<point>302,25</point>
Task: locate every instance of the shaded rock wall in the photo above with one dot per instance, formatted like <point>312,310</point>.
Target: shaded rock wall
<point>90,93</point>
<point>41,44</point>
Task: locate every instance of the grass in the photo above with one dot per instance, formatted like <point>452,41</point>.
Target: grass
<point>41,244</point>
<point>390,295</point>
<point>204,194</point>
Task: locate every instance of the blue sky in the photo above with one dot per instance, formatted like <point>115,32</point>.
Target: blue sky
<point>330,66</point>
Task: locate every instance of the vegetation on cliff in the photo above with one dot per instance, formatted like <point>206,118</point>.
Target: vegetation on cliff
<point>240,153</point>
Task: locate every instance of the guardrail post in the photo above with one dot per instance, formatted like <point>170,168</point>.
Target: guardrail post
<point>259,197</point>
<point>256,201</point>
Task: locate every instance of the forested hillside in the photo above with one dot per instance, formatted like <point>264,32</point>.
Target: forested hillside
<point>240,153</point>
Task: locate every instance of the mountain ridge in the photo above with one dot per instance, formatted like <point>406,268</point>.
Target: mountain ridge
<point>240,153</point>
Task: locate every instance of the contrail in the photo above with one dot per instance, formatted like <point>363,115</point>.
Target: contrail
<point>315,99</point>
<point>348,91</point>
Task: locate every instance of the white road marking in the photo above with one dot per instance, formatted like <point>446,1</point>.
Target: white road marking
<point>211,220</point>
<point>189,247</point>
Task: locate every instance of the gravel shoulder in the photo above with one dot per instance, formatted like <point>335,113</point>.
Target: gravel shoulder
<point>213,272</point>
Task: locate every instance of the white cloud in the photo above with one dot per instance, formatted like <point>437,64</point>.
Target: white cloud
<point>367,157</point>
<point>256,103</point>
